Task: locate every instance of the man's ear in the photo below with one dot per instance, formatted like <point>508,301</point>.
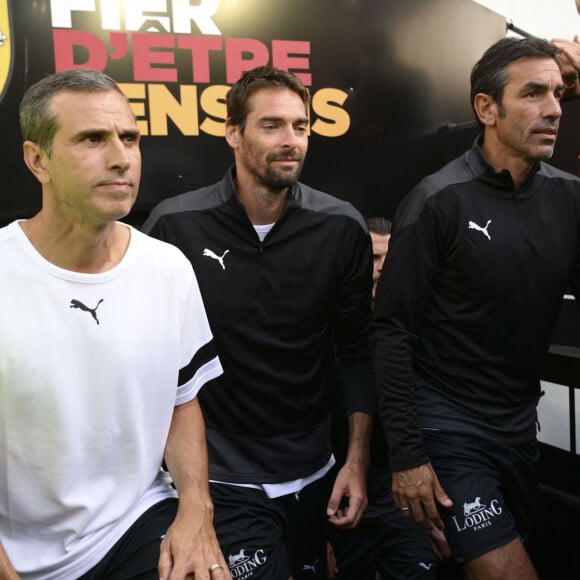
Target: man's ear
<point>232,134</point>
<point>35,158</point>
<point>486,109</point>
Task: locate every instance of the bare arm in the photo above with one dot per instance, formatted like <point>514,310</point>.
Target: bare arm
<point>190,544</point>
<point>350,482</point>
<point>7,571</point>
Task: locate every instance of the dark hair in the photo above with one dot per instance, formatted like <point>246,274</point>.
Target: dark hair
<point>262,77</point>
<point>379,225</point>
<point>490,74</point>
<point>37,122</point>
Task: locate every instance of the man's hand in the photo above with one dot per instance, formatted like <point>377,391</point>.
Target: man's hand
<point>331,567</point>
<point>348,500</point>
<point>190,546</point>
<point>415,491</point>
<point>439,543</point>
<point>190,549</point>
<point>569,61</point>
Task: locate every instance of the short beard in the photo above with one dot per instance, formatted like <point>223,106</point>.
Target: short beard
<point>279,180</point>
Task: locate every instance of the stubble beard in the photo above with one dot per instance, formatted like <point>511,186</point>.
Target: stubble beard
<point>275,180</point>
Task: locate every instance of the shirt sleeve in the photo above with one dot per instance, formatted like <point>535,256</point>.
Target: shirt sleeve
<point>352,324</point>
<point>199,360</point>
<point>403,292</point>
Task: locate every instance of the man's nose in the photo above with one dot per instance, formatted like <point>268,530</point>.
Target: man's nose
<point>118,155</point>
<point>553,108</point>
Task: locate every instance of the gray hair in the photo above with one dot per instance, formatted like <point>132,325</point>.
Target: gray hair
<point>490,74</point>
<point>37,122</point>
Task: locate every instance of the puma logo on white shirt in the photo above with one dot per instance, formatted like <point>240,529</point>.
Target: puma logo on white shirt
<point>483,230</point>
<point>214,256</point>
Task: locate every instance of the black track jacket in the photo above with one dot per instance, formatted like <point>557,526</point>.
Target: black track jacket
<point>468,298</point>
<point>280,311</point>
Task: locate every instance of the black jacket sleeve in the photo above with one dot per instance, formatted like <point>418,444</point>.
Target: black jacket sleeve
<point>403,293</point>
<point>352,323</point>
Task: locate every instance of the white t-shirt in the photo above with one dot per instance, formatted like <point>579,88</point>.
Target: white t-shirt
<point>91,367</point>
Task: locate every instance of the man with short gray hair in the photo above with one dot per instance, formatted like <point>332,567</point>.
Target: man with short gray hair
<point>104,345</point>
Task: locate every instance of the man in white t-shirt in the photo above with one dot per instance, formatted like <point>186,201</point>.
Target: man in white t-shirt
<point>104,345</point>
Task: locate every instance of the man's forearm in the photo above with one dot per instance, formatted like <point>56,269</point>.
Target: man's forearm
<point>350,483</point>
<point>7,571</point>
<point>359,427</point>
<point>190,545</point>
<point>186,454</point>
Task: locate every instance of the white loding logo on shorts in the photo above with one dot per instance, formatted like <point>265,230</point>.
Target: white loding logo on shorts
<point>478,515</point>
<point>473,507</point>
<point>243,566</point>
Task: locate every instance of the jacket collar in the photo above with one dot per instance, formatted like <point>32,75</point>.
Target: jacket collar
<point>502,179</point>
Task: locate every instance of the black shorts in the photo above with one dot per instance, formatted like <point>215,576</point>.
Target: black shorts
<point>136,555</point>
<point>271,539</point>
<point>389,549</point>
<point>492,485</point>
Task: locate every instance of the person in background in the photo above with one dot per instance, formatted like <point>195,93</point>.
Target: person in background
<point>385,544</point>
<point>569,61</point>
<point>465,310</point>
<point>285,274</point>
<point>380,231</point>
<point>104,345</point>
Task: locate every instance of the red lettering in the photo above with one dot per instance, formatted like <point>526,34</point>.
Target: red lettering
<point>144,57</point>
<point>236,64</point>
<point>66,40</point>
<point>154,57</point>
<point>200,47</point>
<point>119,45</point>
<point>281,51</point>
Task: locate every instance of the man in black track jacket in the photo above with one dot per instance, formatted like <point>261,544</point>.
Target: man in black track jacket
<point>285,272</point>
<point>481,255</point>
